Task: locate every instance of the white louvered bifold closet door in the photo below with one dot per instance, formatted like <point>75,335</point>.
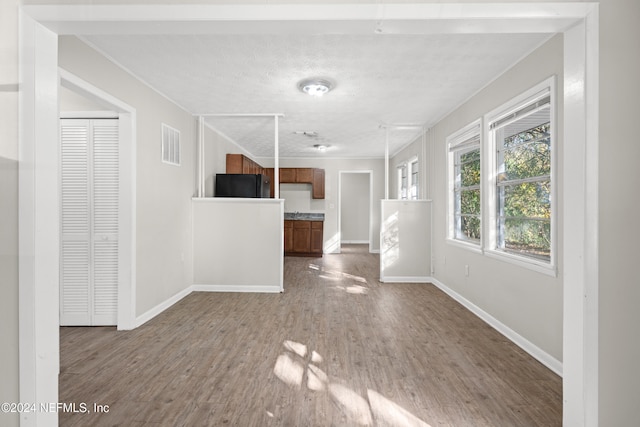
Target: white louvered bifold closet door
<point>89,222</point>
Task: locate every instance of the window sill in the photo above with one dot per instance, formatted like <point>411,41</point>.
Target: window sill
<point>521,261</point>
<point>473,247</point>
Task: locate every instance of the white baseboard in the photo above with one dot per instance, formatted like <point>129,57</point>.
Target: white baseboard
<point>150,314</point>
<point>354,242</point>
<point>536,352</point>
<point>405,279</point>
<point>236,288</point>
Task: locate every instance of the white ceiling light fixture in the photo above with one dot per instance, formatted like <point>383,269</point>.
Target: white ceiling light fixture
<point>315,87</point>
<point>321,147</point>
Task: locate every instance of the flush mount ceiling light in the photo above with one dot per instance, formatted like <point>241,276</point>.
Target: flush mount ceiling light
<point>321,147</point>
<point>315,87</point>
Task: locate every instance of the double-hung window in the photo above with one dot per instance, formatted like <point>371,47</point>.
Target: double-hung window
<point>465,203</point>
<point>521,142</point>
<point>501,197</point>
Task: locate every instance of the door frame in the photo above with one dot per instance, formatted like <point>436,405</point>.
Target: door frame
<point>340,183</point>
<point>127,207</point>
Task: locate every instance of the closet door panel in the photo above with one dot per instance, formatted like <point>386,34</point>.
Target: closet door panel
<point>75,297</point>
<point>105,221</point>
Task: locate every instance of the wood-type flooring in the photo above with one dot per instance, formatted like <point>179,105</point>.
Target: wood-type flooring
<point>337,348</point>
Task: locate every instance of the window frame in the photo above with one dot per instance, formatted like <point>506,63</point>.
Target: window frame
<point>467,139</point>
<point>406,167</point>
<point>547,88</point>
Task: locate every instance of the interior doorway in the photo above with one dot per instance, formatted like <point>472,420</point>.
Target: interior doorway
<point>354,207</point>
<point>115,288</point>
<point>89,199</point>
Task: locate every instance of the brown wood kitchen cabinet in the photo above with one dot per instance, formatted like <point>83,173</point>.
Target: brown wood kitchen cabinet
<point>313,176</point>
<point>288,236</point>
<point>317,185</point>
<point>287,175</point>
<point>304,175</point>
<point>316,237</point>
<point>239,163</point>
<point>303,238</point>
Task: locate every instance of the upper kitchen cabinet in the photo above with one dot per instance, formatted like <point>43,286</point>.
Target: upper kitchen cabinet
<point>317,185</point>
<point>313,176</point>
<point>296,175</point>
<point>238,163</point>
<point>288,175</point>
<point>304,175</point>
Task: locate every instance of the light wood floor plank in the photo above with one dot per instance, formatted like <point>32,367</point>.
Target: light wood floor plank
<point>337,348</point>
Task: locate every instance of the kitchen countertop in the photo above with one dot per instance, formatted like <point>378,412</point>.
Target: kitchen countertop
<point>302,216</point>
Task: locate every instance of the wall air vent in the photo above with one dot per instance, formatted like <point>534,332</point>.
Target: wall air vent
<point>170,145</point>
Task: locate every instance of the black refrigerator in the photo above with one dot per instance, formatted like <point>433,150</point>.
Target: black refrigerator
<point>242,185</point>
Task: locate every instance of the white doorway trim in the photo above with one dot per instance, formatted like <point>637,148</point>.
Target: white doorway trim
<point>38,253</point>
<point>340,175</point>
<point>127,214</point>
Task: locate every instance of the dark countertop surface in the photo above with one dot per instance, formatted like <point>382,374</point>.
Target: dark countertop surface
<point>303,216</point>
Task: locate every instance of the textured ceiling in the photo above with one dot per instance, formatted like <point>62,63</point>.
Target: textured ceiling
<point>380,79</point>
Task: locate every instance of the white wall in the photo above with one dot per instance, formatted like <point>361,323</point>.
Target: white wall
<point>297,197</point>
<point>355,207</point>
<point>70,101</point>
<point>238,244</point>
<point>528,302</point>
<point>9,366</point>
<point>619,178</point>
<point>329,205</point>
<point>163,192</point>
<point>216,148</point>
<point>405,253</point>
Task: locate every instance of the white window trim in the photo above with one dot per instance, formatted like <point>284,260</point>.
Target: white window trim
<point>399,169</point>
<point>489,229</point>
<point>467,132</point>
<point>413,161</point>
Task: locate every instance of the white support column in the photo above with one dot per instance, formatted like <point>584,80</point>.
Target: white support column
<point>580,204</point>
<point>202,171</point>
<point>39,237</point>
<point>276,157</point>
<point>386,163</point>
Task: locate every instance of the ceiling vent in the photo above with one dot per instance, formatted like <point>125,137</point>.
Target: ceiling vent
<point>308,133</point>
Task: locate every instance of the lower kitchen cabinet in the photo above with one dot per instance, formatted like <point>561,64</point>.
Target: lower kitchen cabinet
<point>303,238</point>
<point>288,236</point>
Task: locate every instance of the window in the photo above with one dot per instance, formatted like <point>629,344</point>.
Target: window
<point>521,146</point>
<point>413,167</point>
<point>465,204</point>
<point>170,145</point>
<point>402,181</point>
<point>408,180</point>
